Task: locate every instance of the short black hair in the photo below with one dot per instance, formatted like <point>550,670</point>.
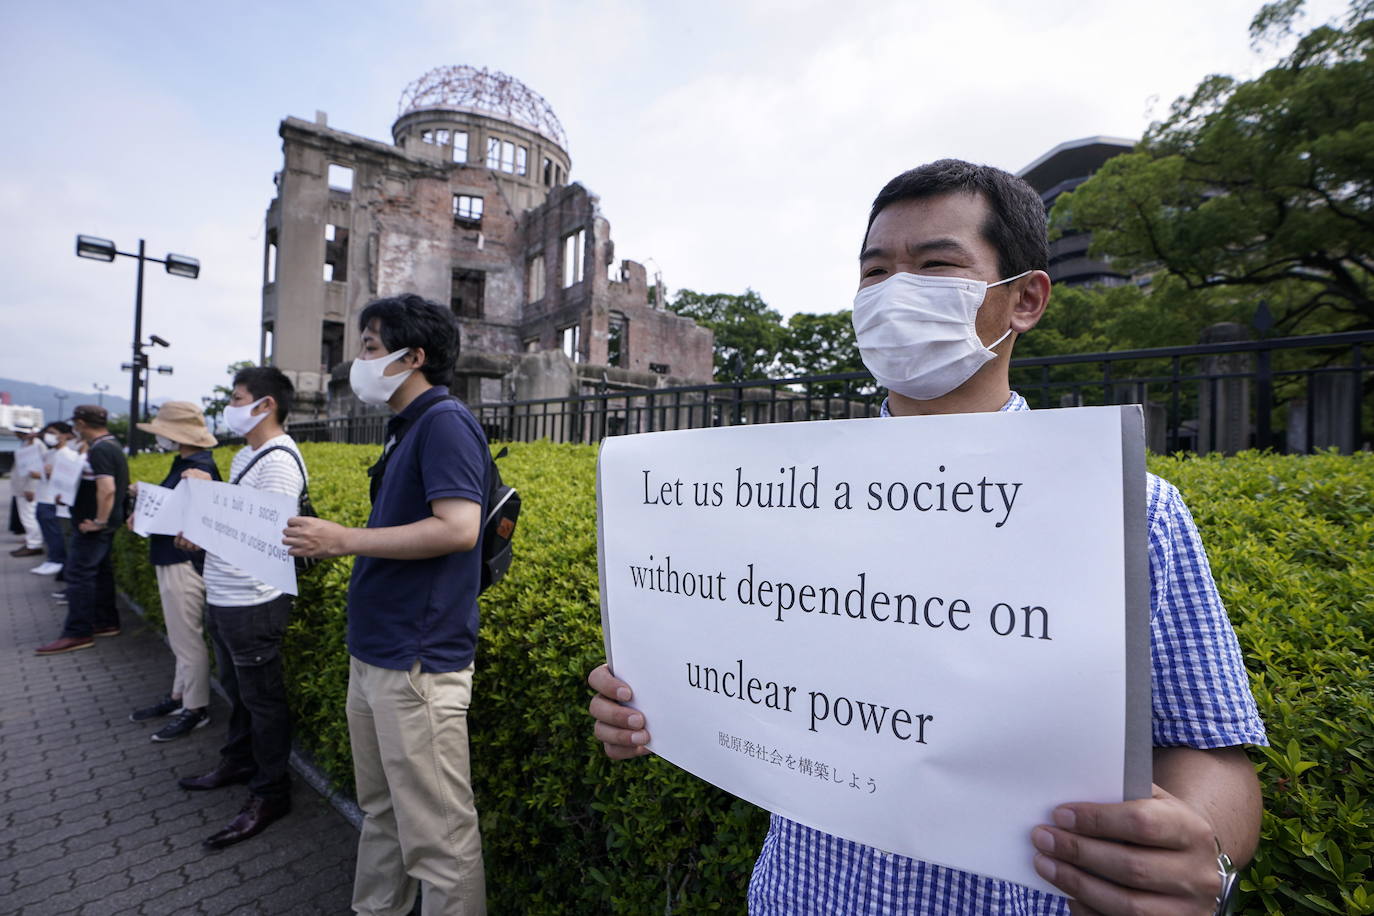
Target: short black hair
<point>63,428</point>
<point>1016,225</point>
<point>264,381</point>
<point>411,321</point>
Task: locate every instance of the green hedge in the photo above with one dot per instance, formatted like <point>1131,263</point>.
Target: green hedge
<point>1291,541</point>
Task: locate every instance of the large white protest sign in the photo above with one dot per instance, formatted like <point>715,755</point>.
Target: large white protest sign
<point>66,475</point>
<point>159,510</point>
<point>921,633</point>
<point>243,526</point>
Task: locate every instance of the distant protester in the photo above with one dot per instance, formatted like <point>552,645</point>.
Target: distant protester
<point>24,487</point>
<point>97,513</point>
<point>248,617</point>
<point>56,435</point>
<point>180,427</point>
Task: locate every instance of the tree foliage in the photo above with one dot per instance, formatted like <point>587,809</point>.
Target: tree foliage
<point>820,344</point>
<point>1263,188</point>
<point>749,334</point>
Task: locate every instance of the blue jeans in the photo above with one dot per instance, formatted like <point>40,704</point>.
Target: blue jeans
<point>247,642</point>
<point>52,533</point>
<point>90,584</point>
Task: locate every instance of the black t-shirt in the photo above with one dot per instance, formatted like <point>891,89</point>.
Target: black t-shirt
<point>162,550</point>
<point>104,458</point>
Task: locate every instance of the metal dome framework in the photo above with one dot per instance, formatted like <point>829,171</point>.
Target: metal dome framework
<point>486,91</point>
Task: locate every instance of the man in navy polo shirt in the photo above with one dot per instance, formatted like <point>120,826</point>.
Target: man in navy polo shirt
<point>412,617</point>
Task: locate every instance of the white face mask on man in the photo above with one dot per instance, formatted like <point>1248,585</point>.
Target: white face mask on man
<point>51,440</point>
<point>916,333</point>
<point>241,421</point>
<point>368,382</point>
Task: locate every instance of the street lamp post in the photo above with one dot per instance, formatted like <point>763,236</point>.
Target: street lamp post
<point>98,249</point>
<point>100,392</point>
<point>61,397</point>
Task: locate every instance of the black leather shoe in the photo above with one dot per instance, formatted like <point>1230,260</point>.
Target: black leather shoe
<point>257,813</point>
<point>221,776</point>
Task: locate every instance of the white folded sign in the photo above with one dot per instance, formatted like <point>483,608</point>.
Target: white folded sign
<point>66,475</point>
<point>920,634</point>
<point>159,510</point>
<point>243,526</point>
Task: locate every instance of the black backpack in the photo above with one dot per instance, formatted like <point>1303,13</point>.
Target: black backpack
<point>498,520</point>
<point>307,509</point>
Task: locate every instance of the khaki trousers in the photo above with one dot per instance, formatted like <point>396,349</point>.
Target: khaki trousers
<point>183,608</point>
<point>409,733</point>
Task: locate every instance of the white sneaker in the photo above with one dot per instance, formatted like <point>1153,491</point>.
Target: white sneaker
<point>47,569</point>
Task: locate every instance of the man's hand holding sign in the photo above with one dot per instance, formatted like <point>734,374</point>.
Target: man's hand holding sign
<point>935,637</point>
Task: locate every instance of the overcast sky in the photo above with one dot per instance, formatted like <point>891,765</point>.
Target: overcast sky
<point>736,143</point>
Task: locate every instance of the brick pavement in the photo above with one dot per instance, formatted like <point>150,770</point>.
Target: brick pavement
<point>91,818</point>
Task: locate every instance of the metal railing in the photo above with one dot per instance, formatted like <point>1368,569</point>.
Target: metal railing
<point>1287,394</point>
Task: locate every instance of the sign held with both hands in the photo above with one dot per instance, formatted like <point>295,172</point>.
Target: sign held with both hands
<point>921,634</point>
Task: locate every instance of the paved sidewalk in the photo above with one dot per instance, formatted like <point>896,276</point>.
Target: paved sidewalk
<point>91,818</point>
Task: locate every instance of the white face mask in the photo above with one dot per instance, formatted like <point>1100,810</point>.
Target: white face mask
<point>50,440</point>
<point>241,421</point>
<point>916,333</point>
<point>370,385</point>
<point>167,445</point>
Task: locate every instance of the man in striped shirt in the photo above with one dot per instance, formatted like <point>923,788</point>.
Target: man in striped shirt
<point>930,228</point>
<point>247,618</point>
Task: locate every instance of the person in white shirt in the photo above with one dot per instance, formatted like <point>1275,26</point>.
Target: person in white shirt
<point>24,485</point>
<point>56,435</point>
<point>247,618</point>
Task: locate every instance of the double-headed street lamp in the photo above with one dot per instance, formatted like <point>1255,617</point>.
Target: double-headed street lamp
<point>178,265</point>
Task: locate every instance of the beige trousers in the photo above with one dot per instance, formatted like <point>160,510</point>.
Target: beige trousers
<point>183,608</point>
<point>409,733</point>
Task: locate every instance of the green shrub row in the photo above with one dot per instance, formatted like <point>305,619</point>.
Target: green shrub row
<point>565,831</point>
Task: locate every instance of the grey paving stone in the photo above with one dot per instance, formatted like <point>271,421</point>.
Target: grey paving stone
<point>91,819</point>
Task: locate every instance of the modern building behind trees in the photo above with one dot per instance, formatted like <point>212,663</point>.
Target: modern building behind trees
<point>470,204</point>
<point>1057,172</point>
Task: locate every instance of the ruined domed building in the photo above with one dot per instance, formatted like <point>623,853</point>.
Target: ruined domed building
<point>469,204</point>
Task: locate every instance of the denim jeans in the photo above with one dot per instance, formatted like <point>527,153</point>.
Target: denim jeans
<point>52,533</point>
<point>90,584</point>
<point>247,642</point>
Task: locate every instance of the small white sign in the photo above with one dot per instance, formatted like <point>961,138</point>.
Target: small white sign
<point>66,475</point>
<point>159,510</point>
<point>921,634</point>
<point>242,526</point>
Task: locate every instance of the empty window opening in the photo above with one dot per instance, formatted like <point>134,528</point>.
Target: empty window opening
<point>335,253</point>
<point>617,339</point>
<point>340,178</point>
<point>548,171</point>
<point>568,340</point>
<point>532,345</point>
<point>467,209</point>
<point>331,345</point>
<point>522,158</point>
<point>658,368</point>
<point>467,292</point>
<point>507,156</point>
<point>460,146</point>
<point>269,270</point>
<point>493,153</point>
<point>427,136</point>
<point>441,137</point>
<point>535,285</point>
<point>268,343</point>
<point>573,251</point>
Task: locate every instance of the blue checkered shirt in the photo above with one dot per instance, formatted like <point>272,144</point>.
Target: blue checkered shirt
<point>1201,699</point>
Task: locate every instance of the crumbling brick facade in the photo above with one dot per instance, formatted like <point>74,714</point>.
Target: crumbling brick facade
<point>468,207</point>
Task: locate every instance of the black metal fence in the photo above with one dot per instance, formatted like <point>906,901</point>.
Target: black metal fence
<point>1290,394</point>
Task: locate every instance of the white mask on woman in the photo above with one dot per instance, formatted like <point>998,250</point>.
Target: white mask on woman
<point>916,333</point>
<point>167,445</point>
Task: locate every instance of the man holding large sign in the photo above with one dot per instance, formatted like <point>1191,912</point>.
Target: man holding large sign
<point>952,269</point>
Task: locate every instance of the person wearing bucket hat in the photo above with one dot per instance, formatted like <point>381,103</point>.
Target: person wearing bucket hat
<point>180,427</point>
